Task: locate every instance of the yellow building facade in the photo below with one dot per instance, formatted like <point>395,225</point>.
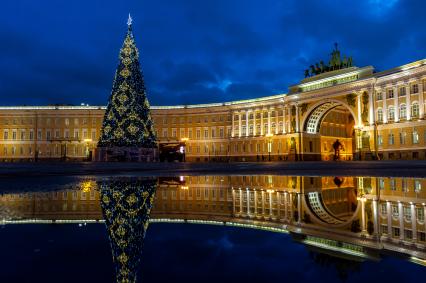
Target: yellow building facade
<point>372,114</point>
<point>361,216</point>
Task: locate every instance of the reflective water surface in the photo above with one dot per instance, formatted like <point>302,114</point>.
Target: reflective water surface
<point>263,228</point>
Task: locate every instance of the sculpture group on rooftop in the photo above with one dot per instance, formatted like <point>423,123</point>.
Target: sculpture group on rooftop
<point>336,63</point>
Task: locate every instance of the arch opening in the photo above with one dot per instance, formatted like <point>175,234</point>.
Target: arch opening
<point>330,132</point>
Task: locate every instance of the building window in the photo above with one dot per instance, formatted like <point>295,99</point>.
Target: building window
<point>31,135</point>
<point>404,185</point>
<point>381,183</point>
<point>395,231</point>
<point>392,184</point>
<point>395,211</point>
<point>190,133</point>
<point>198,133</point>
<point>391,140</point>
<point>414,88</point>
<point>420,214</point>
<point>415,110</point>
<point>39,135</point>
<point>174,133</point>
<point>206,133</point>
<point>391,113</point>
<point>379,141</point>
<point>5,135</point>
<point>221,132</point>
<point>380,115</point>
<point>415,137</point>
<point>402,91</point>
<point>417,186</point>
<point>402,112</point>
<point>383,209</point>
<point>57,134</point>
<point>407,213</point>
<point>67,122</point>
<point>379,95</point>
<point>14,135</point>
<point>165,133</point>
<point>402,136</point>
<point>48,135</point>
<point>22,135</point>
<point>390,93</point>
<point>76,134</point>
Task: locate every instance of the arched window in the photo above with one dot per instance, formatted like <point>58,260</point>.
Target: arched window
<point>415,110</point>
<point>391,113</point>
<point>403,112</point>
<point>380,115</point>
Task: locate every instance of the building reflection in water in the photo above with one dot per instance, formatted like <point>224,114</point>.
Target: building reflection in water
<point>356,218</point>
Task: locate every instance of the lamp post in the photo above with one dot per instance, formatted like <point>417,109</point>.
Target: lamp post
<point>269,136</point>
<point>87,151</point>
<point>182,148</point>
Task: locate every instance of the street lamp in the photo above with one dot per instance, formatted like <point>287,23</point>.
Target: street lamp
<point>182,148</point>
<point>269,136</point>
<point>87,141</point>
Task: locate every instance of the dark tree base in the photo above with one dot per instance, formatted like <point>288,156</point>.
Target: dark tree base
<point>126,154</point>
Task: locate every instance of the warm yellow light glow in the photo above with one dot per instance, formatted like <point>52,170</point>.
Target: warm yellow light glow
<point>269,135</point>
<point>184,187</point>
<point>86,186</point>
<point>270,191</point>
<point>184,139</point>
<point>87,140</point>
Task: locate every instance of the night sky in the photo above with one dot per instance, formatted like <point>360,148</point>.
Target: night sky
<point>194,51</point>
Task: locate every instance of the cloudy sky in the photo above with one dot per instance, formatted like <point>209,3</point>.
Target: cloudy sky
<point>194,51</point>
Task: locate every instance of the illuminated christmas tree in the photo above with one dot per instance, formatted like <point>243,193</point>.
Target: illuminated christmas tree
<point>126,205</point>
<point>127,122</point>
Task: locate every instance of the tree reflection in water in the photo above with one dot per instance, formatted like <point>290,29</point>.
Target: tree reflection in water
<point>126,204</point>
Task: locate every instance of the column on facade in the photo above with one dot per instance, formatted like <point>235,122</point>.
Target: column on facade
<point>297,118</point>
<point>396,104</point>
<point>376,217</point>
<point>248,202</point>
<point>385,108</point>
<point>261,122</point>
<point>239,124</point>
<point>254,122</point>
<point>372,117</point>
<point>359,102</point>
<point>389,215</point>
<point>414,221</point>
<point>285,205</point>
<point>278,205</point>
<point>263,203</point>
<point>269,121</point>
<point>233,124</point>
<point>233,201</point>
<point>247,123</point>
<point>284,119</point>
<point>363,226</point>
<point>421,100</point>
<point>299,208</point>
<point>408,101</point>
<point>401,221</point>
<point>291,206</point>
<point>255,203</point>
<point>277,122</point>
<point>241,201</point>
<point>270,204</point>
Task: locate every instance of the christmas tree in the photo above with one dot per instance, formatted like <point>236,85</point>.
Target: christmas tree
<point>127,121</point>
<point>126,204</point>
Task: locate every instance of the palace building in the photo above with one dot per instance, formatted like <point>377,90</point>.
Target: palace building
<point>339,112</point>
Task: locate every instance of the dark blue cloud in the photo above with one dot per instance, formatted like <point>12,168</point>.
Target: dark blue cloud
<point>194,51</point>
